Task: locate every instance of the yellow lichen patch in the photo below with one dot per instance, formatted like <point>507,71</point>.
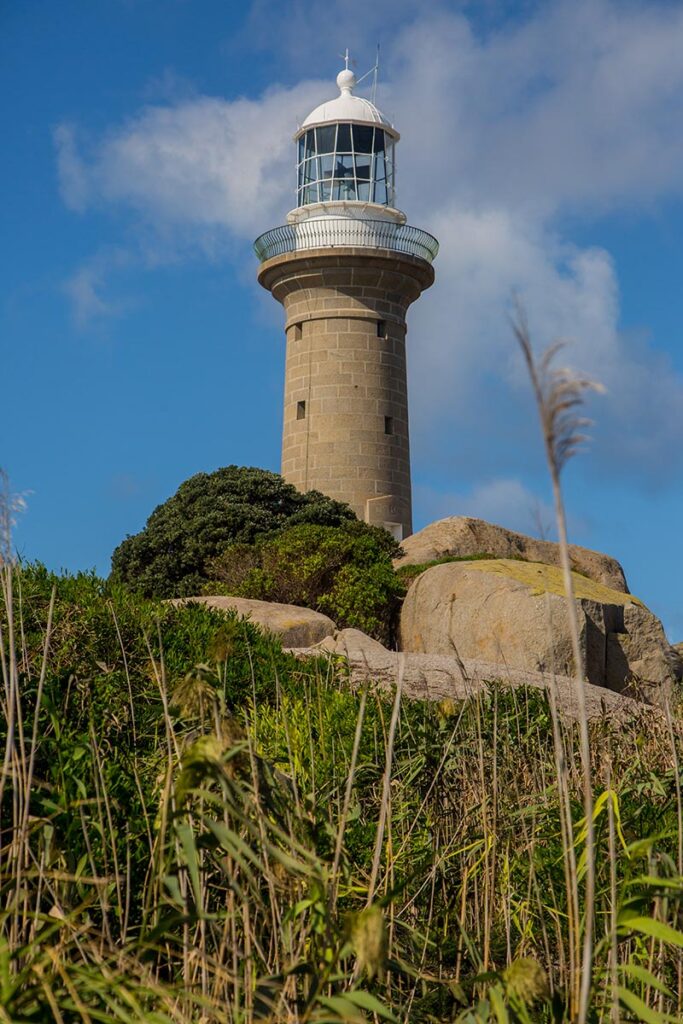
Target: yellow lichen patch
<point>548,579</point>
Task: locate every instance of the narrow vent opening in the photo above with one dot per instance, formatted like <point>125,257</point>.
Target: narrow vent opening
<point>297,332</point>
<point>381,328</point>
<point>301,410</point>
<point>388,424</point>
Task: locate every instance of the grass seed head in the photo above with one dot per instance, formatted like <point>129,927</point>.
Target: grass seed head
<point>526,980</point>
<point>369,940</point>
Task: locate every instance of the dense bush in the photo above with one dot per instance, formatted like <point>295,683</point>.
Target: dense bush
<point>206,514</point>
<point>344,571</point>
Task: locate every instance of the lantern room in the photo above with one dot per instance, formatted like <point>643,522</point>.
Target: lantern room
<point>346,151</point>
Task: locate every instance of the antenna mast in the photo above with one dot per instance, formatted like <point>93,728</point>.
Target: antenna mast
<point>374,77</point>
<point>373,72</point>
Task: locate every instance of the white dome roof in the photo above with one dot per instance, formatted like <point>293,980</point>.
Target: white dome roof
<point>347,107</point>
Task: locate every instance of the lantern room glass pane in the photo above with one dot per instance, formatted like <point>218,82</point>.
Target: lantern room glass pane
<point>362,138</point>
<point>364,191</point>
<point>344,138</point>
<point>309,145</point>
<point>363,164</point>
<point>381,193</point>
<point>379,140</point>
<point>325,138</point>
<point>338,189</point>
<point>344,167</point>
<point>310,170</point>
<point>326,165</point>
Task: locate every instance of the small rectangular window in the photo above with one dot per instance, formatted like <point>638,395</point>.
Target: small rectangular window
<point>381,328</point>
<point>301,410</point>
<point>296,332</point>
<point>388,424</point>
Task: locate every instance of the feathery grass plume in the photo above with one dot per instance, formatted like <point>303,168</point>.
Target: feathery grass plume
<point>194,692</point>
<point>368,937</point>
<point>203,760</point>
<point>560,394</point>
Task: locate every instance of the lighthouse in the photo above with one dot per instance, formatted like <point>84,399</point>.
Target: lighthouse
<point>346,266</point>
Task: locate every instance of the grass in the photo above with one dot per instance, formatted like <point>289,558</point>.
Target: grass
<point>201,828</point>
<point>408,573</point>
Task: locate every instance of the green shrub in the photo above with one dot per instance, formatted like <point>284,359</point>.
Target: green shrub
<point>344,571</point>
<point>206,514</point>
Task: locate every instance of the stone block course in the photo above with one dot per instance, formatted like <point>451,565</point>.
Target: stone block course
<point>350,378</point>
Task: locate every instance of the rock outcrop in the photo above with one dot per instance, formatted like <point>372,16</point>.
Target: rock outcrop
<point>446,677</point>
<point>297,627</point>
<point>511,613</point>
<point>462,536</point>
<point>678,660</point>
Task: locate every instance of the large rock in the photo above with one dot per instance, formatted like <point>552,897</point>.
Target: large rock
<point>514,614</point>
<point>297,627</point>
<point>462,536</point>
<point>446,677</point>
<point>678,660</point>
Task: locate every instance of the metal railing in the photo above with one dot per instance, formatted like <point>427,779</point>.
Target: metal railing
<point>328,232</point>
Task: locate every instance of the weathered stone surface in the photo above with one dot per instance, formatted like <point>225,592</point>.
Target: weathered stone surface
<point>441,677</point>
<point>298,627</point>
<point>345,426</point>
<point>677,652</point>
<point>461,536</point>
<point>511,613</point>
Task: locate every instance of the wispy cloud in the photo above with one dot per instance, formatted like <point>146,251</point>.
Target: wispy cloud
<point>72,173</point>
<point>86,288</point>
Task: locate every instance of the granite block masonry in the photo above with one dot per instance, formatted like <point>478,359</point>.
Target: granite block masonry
<point>346,267</point>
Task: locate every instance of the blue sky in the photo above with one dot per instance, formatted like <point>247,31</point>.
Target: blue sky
<point>148,142</point>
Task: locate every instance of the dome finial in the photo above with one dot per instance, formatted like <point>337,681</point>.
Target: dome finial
<point>346,78</point>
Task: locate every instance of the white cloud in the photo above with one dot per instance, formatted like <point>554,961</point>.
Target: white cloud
<point>576,109</point>
<point>505,501</point>
<point>201,163</point>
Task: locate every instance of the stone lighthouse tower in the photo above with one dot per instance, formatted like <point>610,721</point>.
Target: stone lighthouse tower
<point>346,267</point>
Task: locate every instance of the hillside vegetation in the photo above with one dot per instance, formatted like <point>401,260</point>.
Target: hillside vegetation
<point>198,827</point>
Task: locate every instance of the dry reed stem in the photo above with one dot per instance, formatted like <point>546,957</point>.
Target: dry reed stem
<point>559,394</point>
